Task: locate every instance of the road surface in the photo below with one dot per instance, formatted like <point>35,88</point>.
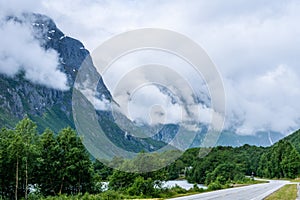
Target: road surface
<point>251,192</point>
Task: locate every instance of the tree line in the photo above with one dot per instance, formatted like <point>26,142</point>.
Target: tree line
<point>50,164</point>
<point>54,164</point>
<point>224,165</point>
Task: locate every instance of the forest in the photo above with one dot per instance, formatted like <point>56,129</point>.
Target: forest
<point>48,165</point>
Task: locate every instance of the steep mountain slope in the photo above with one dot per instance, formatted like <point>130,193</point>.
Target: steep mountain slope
<point>48,107</point>
<point>51,107</point>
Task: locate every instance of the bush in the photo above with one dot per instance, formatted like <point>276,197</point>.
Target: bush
<point>110,194</point>
<point>196,189</point>
<point>34,196</point>
<point>178,190</point>
<point>225,173</point>
<point>142,187</point>
<point>214,186</point>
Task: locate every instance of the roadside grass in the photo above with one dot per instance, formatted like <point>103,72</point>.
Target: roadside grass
<point>297,180</point>
<point>287,192</point>
<point>187,194</point>
<point>175,191</point>
<point>250,182</point>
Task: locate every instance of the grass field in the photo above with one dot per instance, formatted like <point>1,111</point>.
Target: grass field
<point>287,192</point>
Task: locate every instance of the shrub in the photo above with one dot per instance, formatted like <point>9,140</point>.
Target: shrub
<point>142,187</point>
<point>214,186</point>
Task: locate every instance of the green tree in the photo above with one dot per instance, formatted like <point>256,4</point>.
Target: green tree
<point>16,152</point>
<point>49,163</point>
<point>27,133</point>
<point>102,170</point>
<point>76,172</point>
<point>291,163</point>
<point>142,187</point>
<point>224,173</point>
<point>7,171</point>
<point>282,160</point>
<point>121,180</point>
<point>57,164</point>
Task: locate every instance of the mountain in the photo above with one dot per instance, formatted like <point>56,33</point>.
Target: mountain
<point>45,105</point>
<point>226,137</point>
<point>294,139</point>
<point>229,138</point>
<point>52,108</point>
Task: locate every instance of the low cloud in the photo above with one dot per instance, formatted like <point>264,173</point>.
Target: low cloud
<point>269,101</point>
<point>157,87</point>
<point>99,102</point>
<point>21,51</point>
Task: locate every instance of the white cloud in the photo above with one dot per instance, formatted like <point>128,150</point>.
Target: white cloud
<point>19,50</point>
<point>142,81</point>
<point>87,88</point>
<point>268,101</point>
<point>16,7</point>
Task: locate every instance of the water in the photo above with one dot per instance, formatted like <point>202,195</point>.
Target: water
<point>168,184</point>
<point>181,183</point>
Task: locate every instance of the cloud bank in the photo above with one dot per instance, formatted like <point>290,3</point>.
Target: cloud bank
<point>255,45</point>
<point>154,87</point>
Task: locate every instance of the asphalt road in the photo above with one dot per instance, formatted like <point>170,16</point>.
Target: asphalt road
<point>251,192</point>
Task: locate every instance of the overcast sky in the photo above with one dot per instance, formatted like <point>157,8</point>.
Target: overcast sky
<point>254,44</point>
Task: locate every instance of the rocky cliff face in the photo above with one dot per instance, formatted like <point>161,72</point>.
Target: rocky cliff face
<point>19,97</point>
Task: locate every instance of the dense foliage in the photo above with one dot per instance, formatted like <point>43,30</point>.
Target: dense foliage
<point>225,164</point>
<point>48,164</point>
<point>229,165</point>
<point>281,161</point>
<point>54,164</point>
<point>294,139</point>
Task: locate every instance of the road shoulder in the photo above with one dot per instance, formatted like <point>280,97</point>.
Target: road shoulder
<point>298,193</point>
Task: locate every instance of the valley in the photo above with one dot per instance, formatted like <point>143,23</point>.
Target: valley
<point>71,140</point>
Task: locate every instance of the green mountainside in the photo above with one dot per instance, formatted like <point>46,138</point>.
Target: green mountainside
<point>294,139</point>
